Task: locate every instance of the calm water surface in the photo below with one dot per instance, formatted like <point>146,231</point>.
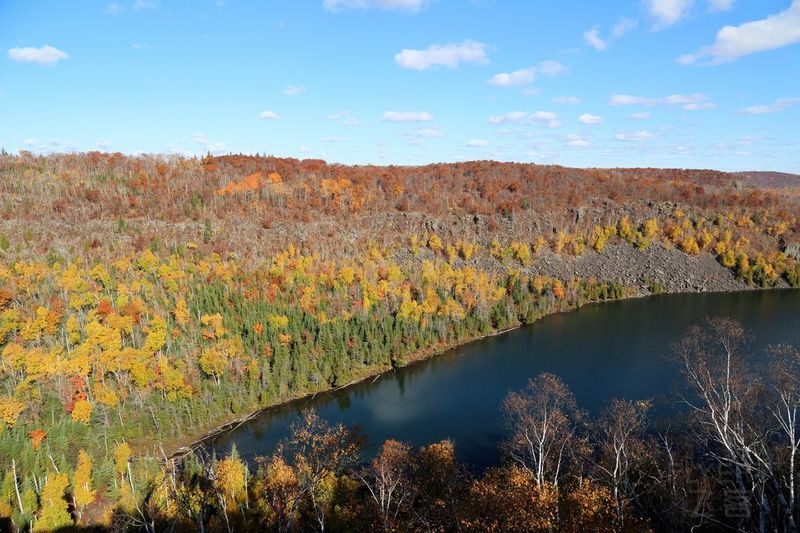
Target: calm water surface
<point>605,351</point>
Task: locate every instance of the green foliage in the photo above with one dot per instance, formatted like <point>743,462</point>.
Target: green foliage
<point>793,277</point>
<point>208,231</point>
<point>655,287</point>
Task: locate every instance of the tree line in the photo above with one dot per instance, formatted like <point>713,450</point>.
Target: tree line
<point>724,459</point>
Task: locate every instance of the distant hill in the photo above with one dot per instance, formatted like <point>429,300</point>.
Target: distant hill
<point>771,180</point>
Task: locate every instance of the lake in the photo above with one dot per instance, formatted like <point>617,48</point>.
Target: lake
<point>602,351</point>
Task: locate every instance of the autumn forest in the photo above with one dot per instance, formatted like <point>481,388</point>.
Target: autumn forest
<point>147,300</point>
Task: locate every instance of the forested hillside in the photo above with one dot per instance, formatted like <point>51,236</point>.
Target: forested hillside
<point>145,300</point>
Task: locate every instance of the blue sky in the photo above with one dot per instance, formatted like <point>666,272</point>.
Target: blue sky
<point>667,83</point>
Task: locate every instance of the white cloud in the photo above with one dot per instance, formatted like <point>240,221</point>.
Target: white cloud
<point>748,140</point>
<point>643,115</point>
<point>268,115</point>
<point>636,136</point>
<point>399,5</point>
<point>720,5</point>
<point>552,68</point>
<point>668,12</point>
<point>430,132</point>
<point>577,141</point>
<point>691,102</point>
<point>519,77</point>
<point>587,118</point>
<point>512,116</point>
<point>567,100</point>
<point>209,146</point>
<point>623,26</point>
<point>294,90</point>
<point>103,145</point>
<point>407,116</point>
<point>475,143</point>
<point>334,139</point>
<point>530,91</point>
<point>733,42</point>
<point>778,105</point>
<point>45,55</point>
<point>447,55</point>
<point>698,106</point>
<point>140,46</point>
<point>525,76</point>
<point>344,118</point>
<point>114,7</point>
<point>57,146</point>
<point>545,118</point>
<point>138,5</point>
<point>627,99</point>
<point>593,39</point>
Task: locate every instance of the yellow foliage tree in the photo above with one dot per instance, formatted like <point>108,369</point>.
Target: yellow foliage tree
<point>181,312</point>
<point>650,228</point>
<point>156,335</point>
<point>435,243</point>
<point>278,321</point>
<point>522,252</point>
<point>690,246</point>
<point>172,382</point>
<point>599,238</point>
<point>624,229</point>
<point>54,514</point>
<point>213,326</point>
<point>10,409</point>
<point>466,249</point>
<point>122,454</point>
<point>413,244</point>
<point>105,395</point>
<point>82,490</point>
<point>82,411</point>
<point>230,481</point>
<point>215,360</point>
<point>559,242</point>
<point>452,253</point>
<point>73,330</point>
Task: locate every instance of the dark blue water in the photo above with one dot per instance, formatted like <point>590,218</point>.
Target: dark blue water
<point>605,351</point>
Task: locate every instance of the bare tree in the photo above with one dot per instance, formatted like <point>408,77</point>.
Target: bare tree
<point>681,494</point>
<point>319,452</point>
<point>388,480</point>
<point>542,420</point>
<point>726,395</point>
<point>622,449</point>
<point>191,488</point>
<point>784,405</point>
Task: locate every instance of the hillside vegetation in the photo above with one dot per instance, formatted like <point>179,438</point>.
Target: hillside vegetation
<point>146,300</point>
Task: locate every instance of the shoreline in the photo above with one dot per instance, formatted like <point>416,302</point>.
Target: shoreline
<point>424,355</point>
<point>234,424</point>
